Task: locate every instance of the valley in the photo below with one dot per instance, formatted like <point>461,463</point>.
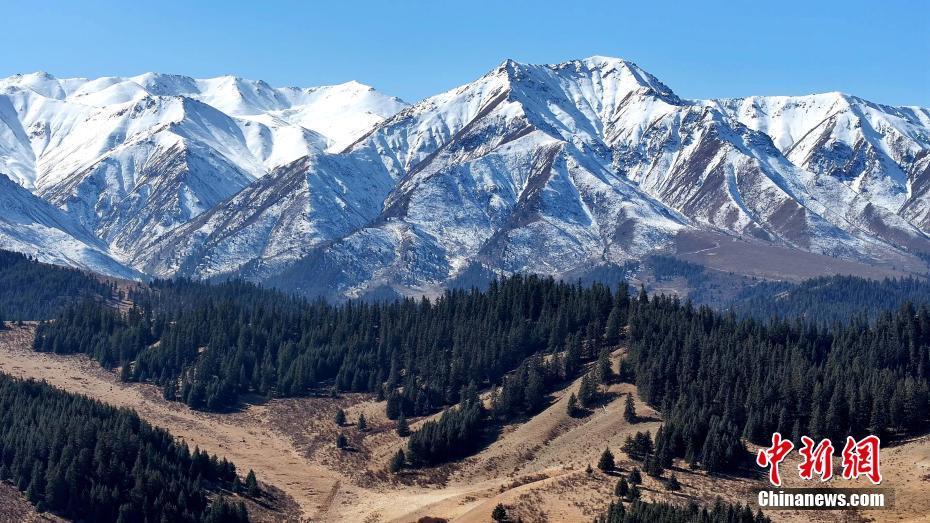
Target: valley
<point>536,468</point>
<point>426,262</point>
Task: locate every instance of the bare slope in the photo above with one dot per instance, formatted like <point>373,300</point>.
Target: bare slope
<point>536,468</point>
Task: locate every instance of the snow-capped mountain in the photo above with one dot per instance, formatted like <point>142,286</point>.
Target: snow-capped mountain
<point>131,158</point>
<point>31,225</point>
<point>880,152</point>
<point>556,169</point>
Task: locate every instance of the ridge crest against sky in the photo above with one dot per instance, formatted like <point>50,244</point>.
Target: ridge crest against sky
<point>716,49</point>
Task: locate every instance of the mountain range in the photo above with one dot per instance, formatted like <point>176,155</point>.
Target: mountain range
<point>343,191</point>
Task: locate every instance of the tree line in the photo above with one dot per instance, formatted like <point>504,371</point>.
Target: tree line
<point>829,299</point>
<point>88,461</point>
<point>718,378</point>
<point>642,512</point>
<point>36,291</point>
<point>206,344</point>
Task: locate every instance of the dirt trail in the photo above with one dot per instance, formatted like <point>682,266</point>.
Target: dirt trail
<point>243,437</point>
<point>535,468</point>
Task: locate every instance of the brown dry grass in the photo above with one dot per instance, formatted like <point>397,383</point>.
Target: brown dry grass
<point>15,507</point>
<point>764,260</point>
<point>535,468</point>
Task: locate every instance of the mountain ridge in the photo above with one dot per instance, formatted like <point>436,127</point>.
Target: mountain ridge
<point>595,157</point>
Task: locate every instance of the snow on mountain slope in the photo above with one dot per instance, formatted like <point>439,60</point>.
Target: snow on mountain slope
<point>878,151</point>
<point>339,113</point>
<point>556,169</point>
<point>628,165</point>
<point>721,174</point>
<point>491,174</point>
<point>131,158</point>
<point>274,221</point>
<point>30,225</point>
<point>156,169</point>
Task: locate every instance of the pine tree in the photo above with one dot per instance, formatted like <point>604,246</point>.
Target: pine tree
<point>340,417</point>
<point>362,424</point>
<point>35,492</point>
<point>403,429</point>
<point>629,409</point>
<point>635,477</point>
<point>587,391</point>
<point>622,488</point>
<point>614,323</point>
<point>341,441</point>
<point>625,373</point>
<point>393,407</point>
<point>634,492</point>
<point>603,369</point>
<point>572,362</point>
<point>638,447</point>
<point>879,421</point>
<point>652,466</point>
<point>499,513</point>
<point>672,483</point>
<point>251,485</point>
<point>398,462</point>
<point>606,462</point>
<point>572,406</point>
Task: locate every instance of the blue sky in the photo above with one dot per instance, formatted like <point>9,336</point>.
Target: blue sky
<point>877,50</point>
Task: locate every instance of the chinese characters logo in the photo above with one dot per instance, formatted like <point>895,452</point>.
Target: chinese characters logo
<point>859,458</point>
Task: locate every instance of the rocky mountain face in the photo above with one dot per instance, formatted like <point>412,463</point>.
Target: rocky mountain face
<point>130,159</point>
<point>30,225</point>
<point>557,169</point>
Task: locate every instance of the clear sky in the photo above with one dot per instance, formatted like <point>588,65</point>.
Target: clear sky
<point>878,49</point>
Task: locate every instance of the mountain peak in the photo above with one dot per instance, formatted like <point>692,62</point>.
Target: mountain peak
<point>622,75</point>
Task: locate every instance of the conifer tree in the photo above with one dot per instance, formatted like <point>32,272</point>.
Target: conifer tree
<point>340,417</point>
<point>652,466</point>
<point>341,441</point>
<point>635,477</point>
<point>587,391</point>
<point>622,488</point>
<point>162,480</point>
<point>614,324</point>
<point>604,370</point>
<point>403,429</point>
<point>499,513</point>
<point>629,409</point>
<point>634,492</point>
<point>362,423</point>
<point>398,462</point>
<point>606,461</point>
<point>572,362</point>
<point>625,373</point>
<point>572,406</point>
<point>251,485</point>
